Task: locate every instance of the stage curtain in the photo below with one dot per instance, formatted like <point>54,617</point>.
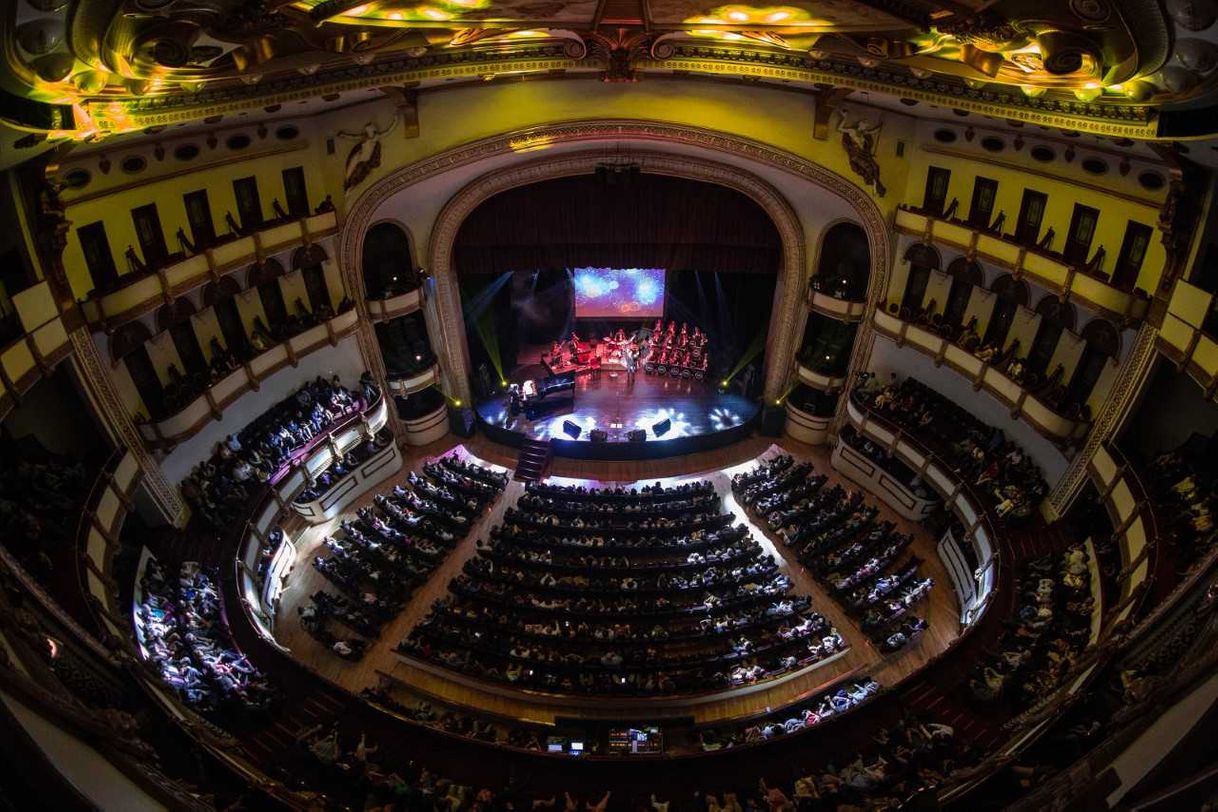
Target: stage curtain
<point>638,221</point>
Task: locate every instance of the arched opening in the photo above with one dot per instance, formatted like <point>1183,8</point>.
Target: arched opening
<point>265,277</point>
<point>1103,346</point>
<point>176,319</point>
<point>1055,318</point>
<point>221,297</point>
<point>388,262</point>
<point>127,347</point>
<point>571,275</point>
<point>844,267</point>
<point>309,260</point>
<point>1010,294</point>
<point>965,275</point>
<point>922,260</point>
<point>405,347</point>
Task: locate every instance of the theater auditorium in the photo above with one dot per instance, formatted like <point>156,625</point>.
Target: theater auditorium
<point>608,405</point>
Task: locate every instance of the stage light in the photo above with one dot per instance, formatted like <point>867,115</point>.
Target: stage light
<point>724,382</point>
<point>457,402</point>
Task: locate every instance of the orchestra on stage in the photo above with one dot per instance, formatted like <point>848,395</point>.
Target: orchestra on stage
<point>672,351</point>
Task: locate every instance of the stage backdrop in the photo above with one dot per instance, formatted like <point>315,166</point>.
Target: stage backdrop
<point>618,221</point>
<point>619,293</point>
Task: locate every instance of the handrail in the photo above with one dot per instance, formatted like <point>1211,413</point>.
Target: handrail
<point>1047,269</point>
<point>139,293</point>
<point>1065,431</point>
<point>212,401</point>
<point>944,471</point>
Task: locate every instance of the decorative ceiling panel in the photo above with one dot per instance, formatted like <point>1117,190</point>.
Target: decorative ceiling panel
<point>89,68</point>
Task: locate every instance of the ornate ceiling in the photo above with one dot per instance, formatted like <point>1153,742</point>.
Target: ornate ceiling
<point>87,68</point>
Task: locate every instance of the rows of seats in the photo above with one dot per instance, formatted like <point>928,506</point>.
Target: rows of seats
<point>378,559</point>
<point>902,760</point>
<point>652,592</point>
<point>220,488</point>
<point>1052,625</point>
<point>184,635</point>
<point>995,466</point>
<point>839,538</point>
<point>40,505</point>
<point>791,720</point>
<point>1183,490</point>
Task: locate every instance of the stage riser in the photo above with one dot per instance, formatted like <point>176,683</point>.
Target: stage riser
<point>646,450</point>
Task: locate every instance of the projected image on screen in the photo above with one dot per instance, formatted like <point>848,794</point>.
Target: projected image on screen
<point>623,293</point>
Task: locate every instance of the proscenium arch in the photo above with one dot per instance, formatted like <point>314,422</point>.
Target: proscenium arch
<point>789,291</point>
<point>788,297</point>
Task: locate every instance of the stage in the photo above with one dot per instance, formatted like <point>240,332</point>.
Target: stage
<point>699,416</point>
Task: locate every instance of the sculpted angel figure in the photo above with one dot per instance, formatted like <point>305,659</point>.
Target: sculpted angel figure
<point>859,140</point>
<point>366,154</point>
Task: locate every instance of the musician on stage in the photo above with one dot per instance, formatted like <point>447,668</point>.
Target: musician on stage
<point>631,357</point>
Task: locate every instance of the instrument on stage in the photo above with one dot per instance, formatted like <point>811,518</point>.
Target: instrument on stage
<point>535,396</point>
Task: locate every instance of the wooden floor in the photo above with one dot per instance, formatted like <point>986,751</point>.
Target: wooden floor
<point>861,659</point>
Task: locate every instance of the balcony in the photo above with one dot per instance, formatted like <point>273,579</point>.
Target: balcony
<point>210,405</point>
<point>818,380</point>
<point>835,308</point>
<point>44,343</point>
<point>139,293</point>
<point>1183,337</point>
<point>976,588</point>
<point>401,386</point>
<point>100,526</point>
<point>1054,426</point>
<point>1046,269</point>
<point>1129,509</point>
<point>392,307</point>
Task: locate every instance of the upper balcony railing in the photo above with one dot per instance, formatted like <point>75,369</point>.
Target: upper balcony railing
<point>1183,335</point>
<point>44,342</point>
<point>137,293</point>
<point>391,307</point>
<point>1058,428</point>
<point>211,403</point>
<point>835,304</point>
<point>1047,269</point>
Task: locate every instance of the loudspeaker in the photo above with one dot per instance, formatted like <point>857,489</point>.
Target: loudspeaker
<point>571,429</point>
<point>636,435</point>
<point>773,420</point>
<point>662,426</point>
<point>598,436</point>
<point>461,421</point>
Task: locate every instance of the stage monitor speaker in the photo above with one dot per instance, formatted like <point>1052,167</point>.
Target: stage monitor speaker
<point>461,421</point>
<point>572,430</point>
<point>636,435</point>
<point>598,436</point>
<point>662,427</point>
<point>773,420</point>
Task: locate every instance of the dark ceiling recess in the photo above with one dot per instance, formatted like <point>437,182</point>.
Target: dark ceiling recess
<point>619,217</point>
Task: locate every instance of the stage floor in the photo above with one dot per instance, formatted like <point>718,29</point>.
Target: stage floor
<point>604,400</point>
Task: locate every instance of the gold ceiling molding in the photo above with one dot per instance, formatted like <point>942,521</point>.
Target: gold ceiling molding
<point>1140,129</point>
<point>789,295</point>
<point>1103,66</point>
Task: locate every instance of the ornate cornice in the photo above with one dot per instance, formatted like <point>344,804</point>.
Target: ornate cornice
<point>788,296</point>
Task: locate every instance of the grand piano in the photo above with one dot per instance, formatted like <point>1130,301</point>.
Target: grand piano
<point>536,397</point>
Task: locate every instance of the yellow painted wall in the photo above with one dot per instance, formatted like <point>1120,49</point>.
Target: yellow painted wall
<point>1115,211</point>
<point>214,170</point>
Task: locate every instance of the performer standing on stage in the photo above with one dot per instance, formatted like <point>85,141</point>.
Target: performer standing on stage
<point>632,361</point>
